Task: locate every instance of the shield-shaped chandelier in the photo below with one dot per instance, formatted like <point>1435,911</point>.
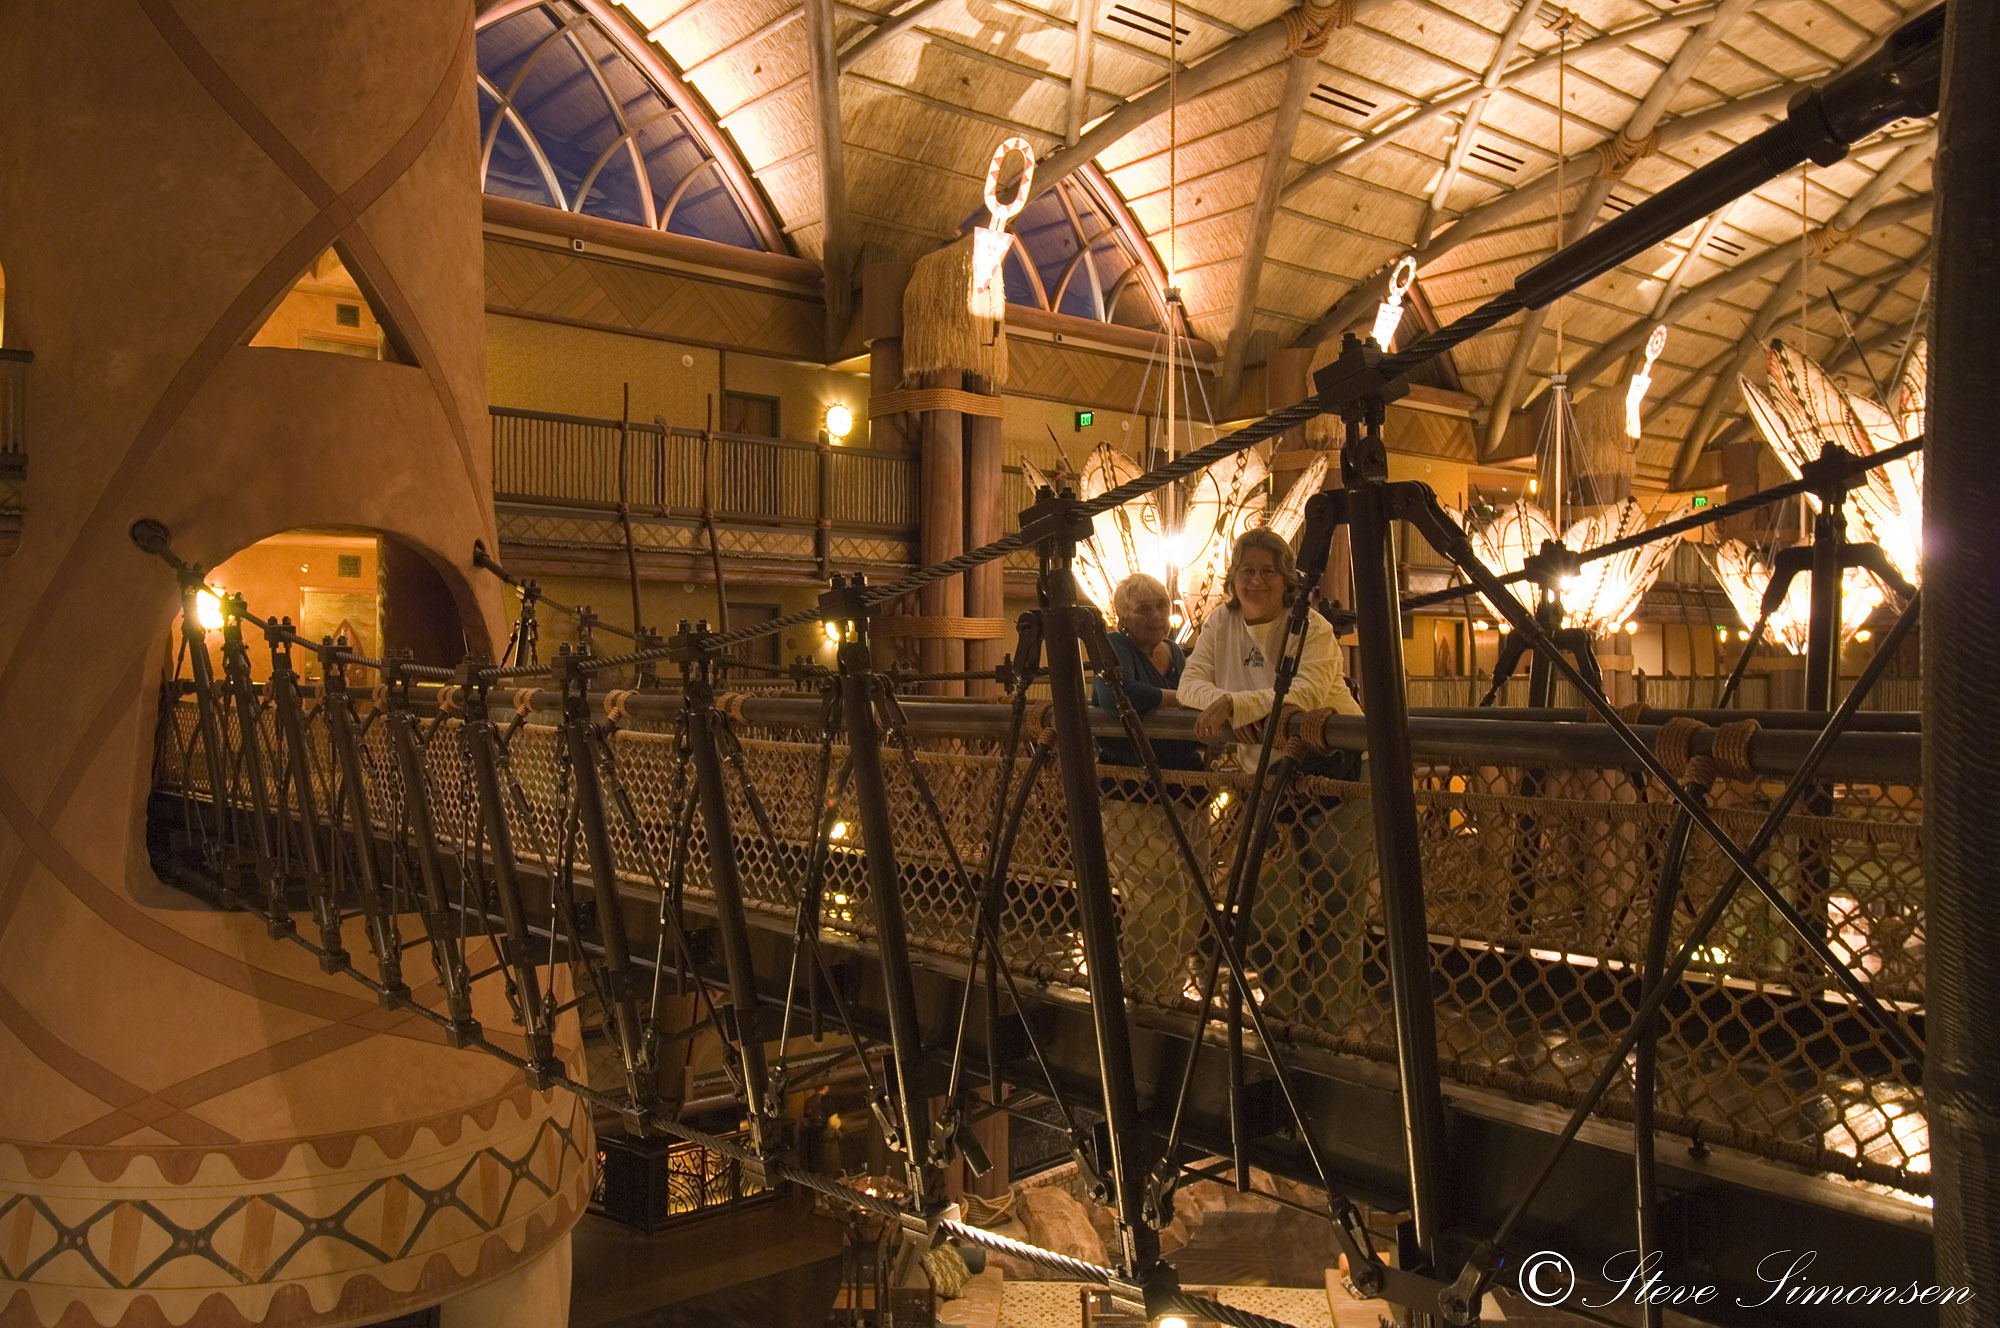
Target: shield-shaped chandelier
<point>1803,410</point>
<point>1744,574</point>
<point>1800,413</point>
<point>1606,591</point>
<point>1190,554</point>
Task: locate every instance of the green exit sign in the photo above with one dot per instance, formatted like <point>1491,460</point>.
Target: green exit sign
<point>1085,418</point>
<point>1701,500</point>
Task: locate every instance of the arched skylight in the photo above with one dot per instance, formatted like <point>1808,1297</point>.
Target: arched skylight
<point>1070,256</point>
<point>568,120</point>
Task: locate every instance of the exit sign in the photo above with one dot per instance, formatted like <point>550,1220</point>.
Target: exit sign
<point>1085,418</point>
<point>1701,500</point>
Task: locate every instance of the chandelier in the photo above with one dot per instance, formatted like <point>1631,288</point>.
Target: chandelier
<point>1803,411</point>
<point>1189,555</point>
<point>1744,574</point>
<point>1605,592</point>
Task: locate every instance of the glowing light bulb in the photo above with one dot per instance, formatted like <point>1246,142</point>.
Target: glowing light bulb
<point>208,611</point>
<point>1863,635</point>
<point>1534,486</point>
<point>1631,628</point>
<point>1481,625</point>
<point>832,631</point>
<point>839,421</point>
<point>1742,635</point>
<point>839,830</point>
<point>1170,1321</point>
<point>1722,633</point>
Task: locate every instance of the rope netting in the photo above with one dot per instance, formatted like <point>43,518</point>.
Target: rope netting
<point>1540,889</point>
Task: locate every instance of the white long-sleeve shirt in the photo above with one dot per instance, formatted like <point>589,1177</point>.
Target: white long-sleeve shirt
<point>1234,659</point>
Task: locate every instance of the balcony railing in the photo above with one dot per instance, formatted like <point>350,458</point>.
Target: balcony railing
<point>556,463</point>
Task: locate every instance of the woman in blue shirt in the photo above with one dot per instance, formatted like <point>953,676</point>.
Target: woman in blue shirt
<point>1158,914</point>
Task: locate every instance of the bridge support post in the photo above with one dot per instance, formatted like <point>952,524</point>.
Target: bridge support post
<point>482,745</point>
<point>207,716</point>
<point>1392,788</point>
<point>1058,531</point>
<point>285,704</point>
<point>383,937</point>
<point>461,1030</point>
<point>1960,645</point>
<point>250,737</point>
<point>725,874</point>
<point>845,604</point>
<point>631,1032</point>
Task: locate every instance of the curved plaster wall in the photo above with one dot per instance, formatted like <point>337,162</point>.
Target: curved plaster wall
<point>196,1125</point>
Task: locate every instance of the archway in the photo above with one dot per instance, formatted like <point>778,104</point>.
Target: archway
<point>378,592</point>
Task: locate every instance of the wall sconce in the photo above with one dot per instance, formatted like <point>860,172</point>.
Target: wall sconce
<point>208,610</point>
<point>839,421</point>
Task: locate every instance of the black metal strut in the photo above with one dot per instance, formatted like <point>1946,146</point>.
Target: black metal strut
<point>695,649</point>
<point>844,604</point>
<point>243,694</point>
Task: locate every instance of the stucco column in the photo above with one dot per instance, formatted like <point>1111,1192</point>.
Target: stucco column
<point>196,1124</point>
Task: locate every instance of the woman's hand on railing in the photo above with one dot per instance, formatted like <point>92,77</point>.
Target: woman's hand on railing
<point>1210,722</point>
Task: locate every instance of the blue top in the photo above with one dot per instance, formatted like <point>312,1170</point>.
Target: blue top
<point>1144,684</point>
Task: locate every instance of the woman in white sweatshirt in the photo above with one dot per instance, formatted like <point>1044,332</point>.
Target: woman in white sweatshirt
<point>1308,923</point>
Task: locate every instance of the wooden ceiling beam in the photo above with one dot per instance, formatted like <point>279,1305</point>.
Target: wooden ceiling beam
<point>1700,44</point>
<point>836,236</point>
<point>1464,97</point>
<point>899,21</point>
<point>1300,73</point>
<point>1475,110</point>
<point>1359,303</point>
<point>1079,71</point>
<point>1260,46</point>
<point>1857,215</point>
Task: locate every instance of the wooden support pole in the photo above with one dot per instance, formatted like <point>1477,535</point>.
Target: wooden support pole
<point>941,525</point>
<point>985,593</point>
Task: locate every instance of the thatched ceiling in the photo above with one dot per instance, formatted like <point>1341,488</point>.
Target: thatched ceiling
<point>1420,121</point>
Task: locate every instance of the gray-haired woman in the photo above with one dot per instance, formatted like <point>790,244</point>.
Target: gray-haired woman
<point>1159,914</point>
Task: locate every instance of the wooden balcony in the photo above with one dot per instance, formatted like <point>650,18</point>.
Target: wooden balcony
<point>783,510</point>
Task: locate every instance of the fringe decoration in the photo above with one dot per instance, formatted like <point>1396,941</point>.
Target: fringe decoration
<point>939,333</point>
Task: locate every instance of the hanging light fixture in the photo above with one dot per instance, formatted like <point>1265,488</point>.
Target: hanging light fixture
<point>1635,393</point>
<point>1607,590</point>
<point>1389,314</point>
<point>987,298</point>
<point>1189,554</point>
<point>1744,574</point>
<point>1183,533</point>
<point>1803,410</point>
